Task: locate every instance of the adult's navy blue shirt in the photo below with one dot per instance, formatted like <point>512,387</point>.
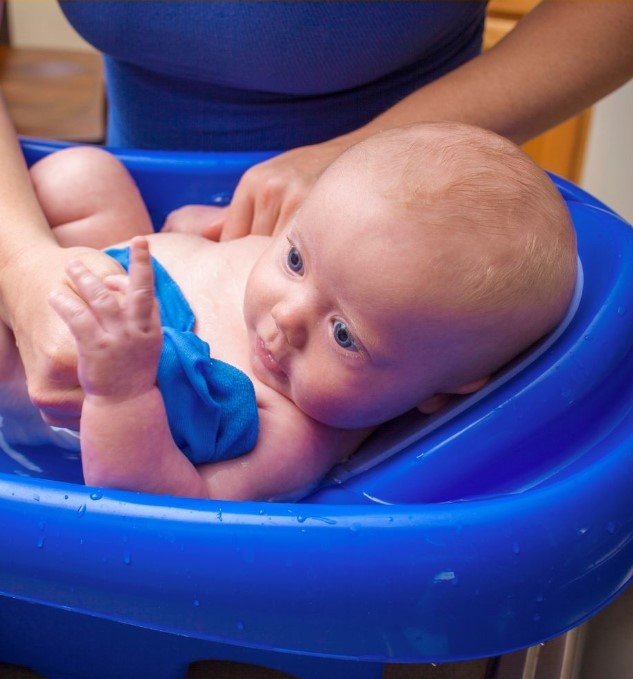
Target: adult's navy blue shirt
<point>228,76</point>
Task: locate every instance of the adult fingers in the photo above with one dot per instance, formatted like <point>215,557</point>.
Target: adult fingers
<point>214,230</point>
<point>193,219</point>
<point>239,216</point>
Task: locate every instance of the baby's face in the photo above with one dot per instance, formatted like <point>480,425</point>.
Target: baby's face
<point>332,322</point>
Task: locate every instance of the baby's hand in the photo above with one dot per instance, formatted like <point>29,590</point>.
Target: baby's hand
<point>118,334</point>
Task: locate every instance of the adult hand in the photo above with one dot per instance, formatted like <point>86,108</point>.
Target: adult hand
<point>203,220</point>
<point>269,193</point>
<point>46,347</point>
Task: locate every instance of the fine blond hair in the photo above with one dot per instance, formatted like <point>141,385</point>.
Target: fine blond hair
<point>505,244</point>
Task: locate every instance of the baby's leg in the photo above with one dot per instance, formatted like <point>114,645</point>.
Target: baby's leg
<point>89,198</point>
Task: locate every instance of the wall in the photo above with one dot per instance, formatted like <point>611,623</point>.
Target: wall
<point>41,23</point>
<point>608,171</point>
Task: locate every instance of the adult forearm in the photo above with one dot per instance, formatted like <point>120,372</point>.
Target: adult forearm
<point>562,57</point>
<point>23,228</point>
<point>32,264</point>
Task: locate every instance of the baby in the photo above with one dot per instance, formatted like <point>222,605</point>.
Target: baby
<point>423,260</point>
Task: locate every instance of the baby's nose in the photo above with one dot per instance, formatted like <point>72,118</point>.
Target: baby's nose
<point>291,322</point>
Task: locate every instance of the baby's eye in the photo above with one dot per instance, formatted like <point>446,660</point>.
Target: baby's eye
<point>343,336</point>
<point>294,260</point>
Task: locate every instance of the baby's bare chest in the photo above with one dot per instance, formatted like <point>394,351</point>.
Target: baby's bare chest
<point>212,277</point>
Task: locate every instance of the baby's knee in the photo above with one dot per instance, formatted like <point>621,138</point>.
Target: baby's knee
<point>86,182</point>
<point>73,166</point>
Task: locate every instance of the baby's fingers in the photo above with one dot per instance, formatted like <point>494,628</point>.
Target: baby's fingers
<point>140,294</point>
<point>96,295</point>
<point>118,282</point>
<point>75,313</point>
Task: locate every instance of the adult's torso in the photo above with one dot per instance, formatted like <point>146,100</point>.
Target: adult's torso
<point>266,75</point>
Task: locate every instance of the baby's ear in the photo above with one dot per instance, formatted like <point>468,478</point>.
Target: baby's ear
<point>470,387</point>
<point>438,401</point>
<point>433,404</point>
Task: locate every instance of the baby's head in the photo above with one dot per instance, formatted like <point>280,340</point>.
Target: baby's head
<point>424,259</point>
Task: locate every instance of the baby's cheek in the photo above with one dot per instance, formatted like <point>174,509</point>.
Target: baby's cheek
<point>329,404</point>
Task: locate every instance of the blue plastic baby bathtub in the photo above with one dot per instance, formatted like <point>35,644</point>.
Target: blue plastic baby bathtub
<point>503,525</point>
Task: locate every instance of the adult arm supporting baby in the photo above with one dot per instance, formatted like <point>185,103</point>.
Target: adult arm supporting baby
<point>561,58</point>
<point>32,264</point>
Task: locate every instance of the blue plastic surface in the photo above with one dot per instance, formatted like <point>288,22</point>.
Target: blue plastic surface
<point>504,527</point>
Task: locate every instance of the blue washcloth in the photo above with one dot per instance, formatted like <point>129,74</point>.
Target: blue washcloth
<point>211,406</point>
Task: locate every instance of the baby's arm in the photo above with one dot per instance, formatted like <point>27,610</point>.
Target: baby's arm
<point>125,437</point>
<point>292,454</point>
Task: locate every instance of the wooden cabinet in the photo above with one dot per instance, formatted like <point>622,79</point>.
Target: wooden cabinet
<point>54,94</point>
<point>562,148</point>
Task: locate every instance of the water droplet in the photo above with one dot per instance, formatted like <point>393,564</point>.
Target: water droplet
<point>536,617</point>
<point>196,603</point>
<point>582,531</point>
<point>611,526</point>
<point>82,510</point>
<point>127,558</point>
<point>300,518</point>
<point>96,495</point>
<point>327,520</point>
<point>588,337</point>
<point>219,515</point>
<point>516,548</point>
<point>240,625</point>
<point>445,576</point>
<point>220,198</point>
<point>539,598</point>
<point>621,310</point>
<point>40,542</point>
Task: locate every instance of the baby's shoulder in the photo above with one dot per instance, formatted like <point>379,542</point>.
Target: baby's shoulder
<point>284,426</point>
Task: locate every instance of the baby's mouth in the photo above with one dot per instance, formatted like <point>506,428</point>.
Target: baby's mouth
<point>267,358</point>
